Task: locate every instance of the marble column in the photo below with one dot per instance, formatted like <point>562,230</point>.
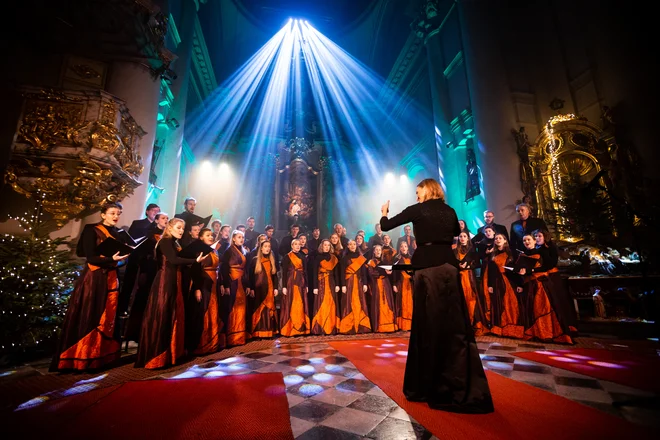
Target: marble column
<point>168,167</point>
<point>492,110</point>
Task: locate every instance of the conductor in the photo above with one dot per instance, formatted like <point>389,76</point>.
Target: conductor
<point>443,366</point>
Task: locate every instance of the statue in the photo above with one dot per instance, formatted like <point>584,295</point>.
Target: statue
<point>473,188</point>
<point>527,177</point>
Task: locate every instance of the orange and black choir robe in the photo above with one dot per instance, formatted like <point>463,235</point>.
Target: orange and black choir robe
<point>403,299</point>
<point>542,320</point>
<point>354,316</point>
<point>505,308</point>
<point>163,327</point>
<point>294,311</point>
<point>147,272</point>
<point>263,313</point>
<point>204,332</point>
<point>382,302</point>
<point>325,277</point>
<point>90,337</point>
<point>474,299</point>
<point>234,278</point>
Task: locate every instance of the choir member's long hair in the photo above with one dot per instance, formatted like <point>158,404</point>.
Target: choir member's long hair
<point>362,247</point>
<point>338,248</point>
<point>433,190</point>
<point>505,248</point>
<point>167,233</point>
<point>170,225</point>
<point>259,267</point>
<point>465,228</point>
<point>332,248</point>
<point>260,239</point>
<point>463,249</point>
<point>547,237</point>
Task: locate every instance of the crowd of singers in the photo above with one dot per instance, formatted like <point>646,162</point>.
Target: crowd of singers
<point>174,306</point>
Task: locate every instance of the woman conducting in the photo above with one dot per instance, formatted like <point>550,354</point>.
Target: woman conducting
<point>443,366</point>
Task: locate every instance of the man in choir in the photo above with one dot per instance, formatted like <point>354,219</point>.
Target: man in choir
<point>269,230</point>
<point>250,234</point>
<point>188,213</point>
<point>140,228</point>
<point>340,231</point>
<point>286,241</point>
<point>225,242</point>
<point>489,220</point>
<point>377,238</point>
<point>408,238</point>
<point>314,241</point>
<point>215,228</point>
<point>191,235</point>
<point>526,225</point>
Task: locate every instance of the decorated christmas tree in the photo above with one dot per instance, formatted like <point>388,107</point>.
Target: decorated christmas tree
<point>36,277</point>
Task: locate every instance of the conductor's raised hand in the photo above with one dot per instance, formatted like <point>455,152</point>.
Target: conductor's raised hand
<point>117,257</point>
<point>385,209</point>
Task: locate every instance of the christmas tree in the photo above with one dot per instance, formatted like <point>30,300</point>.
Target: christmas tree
<point>36,277</point>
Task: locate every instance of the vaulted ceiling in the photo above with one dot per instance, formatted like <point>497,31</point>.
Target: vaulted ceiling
<point>373,31</point>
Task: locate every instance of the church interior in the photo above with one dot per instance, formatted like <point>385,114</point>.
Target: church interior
<point>283,115</point>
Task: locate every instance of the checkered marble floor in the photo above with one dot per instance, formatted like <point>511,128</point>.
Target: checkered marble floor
<point>329,398</point>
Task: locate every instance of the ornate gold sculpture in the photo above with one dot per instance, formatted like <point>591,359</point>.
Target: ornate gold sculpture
<point>75,150</point>
<point>568,147</point>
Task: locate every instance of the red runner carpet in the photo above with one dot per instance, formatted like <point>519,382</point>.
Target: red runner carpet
<point>521,411</point>
<point>626,367</point>
<point>252,406</point>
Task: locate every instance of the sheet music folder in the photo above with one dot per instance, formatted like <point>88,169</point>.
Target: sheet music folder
<point>194,249</point>
<point>110,246</point>
<point>405,267</point>
<point>523,262</point>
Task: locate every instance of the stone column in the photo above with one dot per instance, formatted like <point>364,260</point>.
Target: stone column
<point>492,110</point>
<point>168,167</point>
<point>449,167</point>
<point>135,85</point>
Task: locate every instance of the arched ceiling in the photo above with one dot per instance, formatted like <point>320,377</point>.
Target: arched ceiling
<point>373,31</point>
<point>335,15</point>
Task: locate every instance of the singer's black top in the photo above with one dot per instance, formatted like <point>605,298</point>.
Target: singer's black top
<point>435,224</point>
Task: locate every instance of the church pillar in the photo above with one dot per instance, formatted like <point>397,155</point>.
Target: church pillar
<point>492,109</point>
<point>135,85</point>
<point>170,132</point>
<point>447,171</point>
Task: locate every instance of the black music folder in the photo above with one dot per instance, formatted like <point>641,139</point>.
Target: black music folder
<point>110,246</point>
<point>194,249</point>
<point>523,262</point>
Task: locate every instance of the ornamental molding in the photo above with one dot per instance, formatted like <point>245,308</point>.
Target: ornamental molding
<point>74,150</point>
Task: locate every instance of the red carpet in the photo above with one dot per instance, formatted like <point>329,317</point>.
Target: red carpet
<point>252,406</point>
<point>521,411</point>
<point>631,368</point>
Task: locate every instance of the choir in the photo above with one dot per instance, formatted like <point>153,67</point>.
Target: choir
<point>239,285</point>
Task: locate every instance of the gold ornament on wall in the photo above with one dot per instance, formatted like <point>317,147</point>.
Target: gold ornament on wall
<point>75,150</point>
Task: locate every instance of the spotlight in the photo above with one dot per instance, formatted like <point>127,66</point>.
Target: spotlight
<point>224,168</point>
<point>389,178</point>
<point>206,166</point>
<point>403,179</point>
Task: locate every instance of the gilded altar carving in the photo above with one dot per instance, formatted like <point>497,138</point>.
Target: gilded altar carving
<point>568,147</point>
<point>74,150</point>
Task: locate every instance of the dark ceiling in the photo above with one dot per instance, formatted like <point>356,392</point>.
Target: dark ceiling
<point>325,15</point>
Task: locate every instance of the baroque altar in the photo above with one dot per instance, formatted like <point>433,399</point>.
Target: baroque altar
<point>298,184</point>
